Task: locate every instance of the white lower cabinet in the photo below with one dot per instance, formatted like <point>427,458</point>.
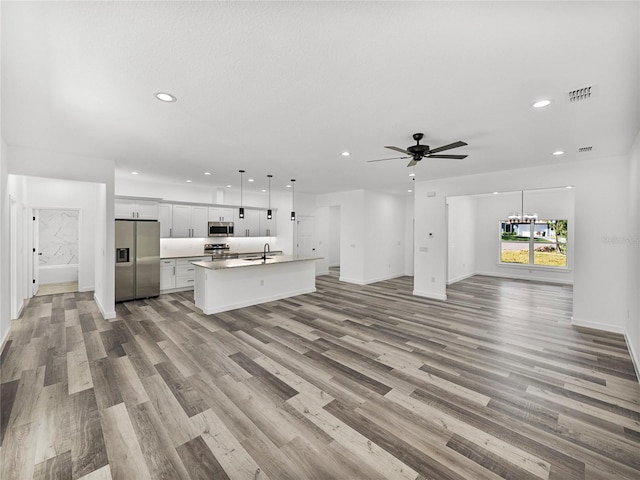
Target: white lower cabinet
<point>167,273</point>
<point>178,273</point>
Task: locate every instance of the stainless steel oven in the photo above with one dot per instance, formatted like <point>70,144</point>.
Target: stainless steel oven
<point>220,229</point>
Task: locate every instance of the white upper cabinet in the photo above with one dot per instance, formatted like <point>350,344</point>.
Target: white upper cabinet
<point>220,214</point>
<point>249,226</point>
<point>165,215</point>
<point>189,221</point>
<point>267,227</point>
<point>135,209</point>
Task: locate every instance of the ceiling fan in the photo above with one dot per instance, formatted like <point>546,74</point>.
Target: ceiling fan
<point>417,152</point>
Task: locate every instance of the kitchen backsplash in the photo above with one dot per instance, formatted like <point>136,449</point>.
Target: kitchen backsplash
<point>179,247</point>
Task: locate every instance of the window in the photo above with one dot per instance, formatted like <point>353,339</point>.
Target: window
<point>540,242</point>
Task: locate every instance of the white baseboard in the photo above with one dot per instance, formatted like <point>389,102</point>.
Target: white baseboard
<point>371,280</point>
<point>460,278</point>
<point>323,272</point>
<point>605,327</point>
<point>434,296</point>
<point>524,277</point>
<point>635,359</point>
<point>89,288</point>
<point>106,315</point>
<point>253,301</point>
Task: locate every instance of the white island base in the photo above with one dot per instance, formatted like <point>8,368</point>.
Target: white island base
<point>231,284</point>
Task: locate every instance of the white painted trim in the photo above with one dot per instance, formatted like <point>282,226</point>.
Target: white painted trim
<point>324,272</point>
<point>372,280</point>
<point>177,289</point>
<point>4,339</point>
<point>89,288</point>
<point>460,278</point>
<point>106,315</point>
<point>253,301</point>
<point>433,296</point>
<point>522,277</point>
<point>605,327</point>
<point>635,359</point>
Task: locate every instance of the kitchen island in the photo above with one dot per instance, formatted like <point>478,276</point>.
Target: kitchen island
<point>229,284</point>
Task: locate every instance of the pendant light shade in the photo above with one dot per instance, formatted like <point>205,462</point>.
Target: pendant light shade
<point>241,210</point>
<point>269,213</point>
<point>293,199</point>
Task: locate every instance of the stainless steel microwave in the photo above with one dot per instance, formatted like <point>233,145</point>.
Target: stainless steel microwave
<point>221,229</point>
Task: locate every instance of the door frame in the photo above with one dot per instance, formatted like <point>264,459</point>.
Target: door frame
<point>34,230</point>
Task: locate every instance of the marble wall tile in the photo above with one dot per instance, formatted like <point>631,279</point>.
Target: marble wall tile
<point>58,237</point>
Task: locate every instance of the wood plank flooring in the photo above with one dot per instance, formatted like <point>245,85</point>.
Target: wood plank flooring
<point>351,382</point>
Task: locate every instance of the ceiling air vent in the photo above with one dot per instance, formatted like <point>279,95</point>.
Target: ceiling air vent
<point>584,149</point>
<point>580,94</point>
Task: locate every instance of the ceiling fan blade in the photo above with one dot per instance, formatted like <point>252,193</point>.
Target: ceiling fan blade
<point>412,163</point>
<point>397,149</point>
<point>383,159</point>
<point>455,157</point>
<point>447,147</point>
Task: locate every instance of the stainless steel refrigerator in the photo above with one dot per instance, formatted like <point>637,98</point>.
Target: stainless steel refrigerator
<point>137,259</point>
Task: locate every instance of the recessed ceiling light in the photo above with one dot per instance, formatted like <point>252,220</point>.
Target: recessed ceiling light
<point>568,186</point>
<point>412,174</point>
<point>288,186</point>
<point>409,191</point>
<point>263,191</point>
<point>188,181</point>
<point>495,193</point>
<point>541,103</point>
<point>207,173</point>
<point>250,180</point>
<point>165,97</point>
<point>345,154</point>
<point>228,186</point>
<point>134,173</point>
<point>558,152</point>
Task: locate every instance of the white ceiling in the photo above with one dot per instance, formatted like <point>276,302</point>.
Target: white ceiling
<point>283,88</point>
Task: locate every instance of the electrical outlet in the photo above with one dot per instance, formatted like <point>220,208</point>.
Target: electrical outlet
<point>433,279</point>
<point>262,283</point>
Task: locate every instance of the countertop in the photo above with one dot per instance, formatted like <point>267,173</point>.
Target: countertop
<point>232,252</point>
<point>241,262</point>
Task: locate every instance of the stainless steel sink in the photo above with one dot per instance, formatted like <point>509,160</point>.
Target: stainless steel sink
<point>253,259</point>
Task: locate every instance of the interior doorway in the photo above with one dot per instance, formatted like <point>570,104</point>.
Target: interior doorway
<point>55,250</point>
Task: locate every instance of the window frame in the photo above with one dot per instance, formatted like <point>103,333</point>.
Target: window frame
<point>531,244</point>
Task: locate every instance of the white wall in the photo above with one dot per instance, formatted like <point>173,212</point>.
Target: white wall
<point>601,197</point>
<point>384,239</point>
<point>463,237</point>
<point>5,256</point>
<point>67,194</point>
<point>632,321</point>
<point>31,162</point>
<point>492,209</point>
<point>409,209</point>
<point>372,234</point>
<point>333,234</point>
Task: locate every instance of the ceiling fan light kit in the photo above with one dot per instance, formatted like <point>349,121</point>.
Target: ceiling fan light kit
<point>417,152</point>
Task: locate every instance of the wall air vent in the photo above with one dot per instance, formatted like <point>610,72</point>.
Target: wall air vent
<point>584,149</point>
<point>580,94</point>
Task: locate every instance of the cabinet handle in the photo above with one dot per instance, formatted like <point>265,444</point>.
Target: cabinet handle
<point>174,271</point>
<point>137,214</point>
<point>133,214</point>
<point>170,232</point>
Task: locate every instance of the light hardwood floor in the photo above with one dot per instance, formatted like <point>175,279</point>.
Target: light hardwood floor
<point>351,382</point>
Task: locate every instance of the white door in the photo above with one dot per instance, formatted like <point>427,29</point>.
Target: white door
<point>306,242</point>
<point>35,260</point>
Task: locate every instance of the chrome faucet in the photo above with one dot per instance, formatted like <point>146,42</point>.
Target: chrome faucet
<point>265,249</point>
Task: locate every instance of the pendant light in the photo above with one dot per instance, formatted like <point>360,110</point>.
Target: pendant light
<point>293,199</point>
<point>241,210</point>
<point>269,215</point>
<point>522,217</point>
